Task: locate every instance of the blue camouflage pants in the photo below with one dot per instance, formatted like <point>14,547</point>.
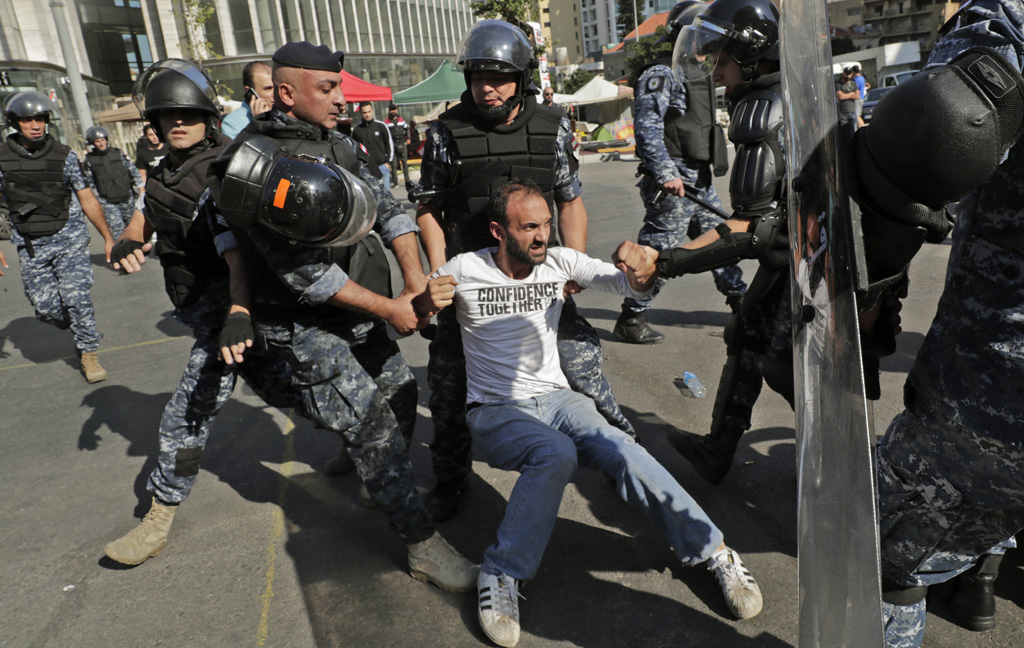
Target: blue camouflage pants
<point>117,215</point>
<point>57,281</point>
<point>355,382</point>
<point>205,387</point>
<point>946,495</point>
<point>670,222</point>
<point>579,353</point>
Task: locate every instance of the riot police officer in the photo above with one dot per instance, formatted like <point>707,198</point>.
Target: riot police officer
<point>39,177</point>
<point>115,179</point>
<point>736,43</point>
<point>180,101</point>
<point>323,307</point>
<point>679,145</point>
<point>498,132</point>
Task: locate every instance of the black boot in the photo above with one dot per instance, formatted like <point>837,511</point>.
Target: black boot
<point>710,455</point>
<point>443,502</point>
<point>633,329</point>
<point>972,600</point>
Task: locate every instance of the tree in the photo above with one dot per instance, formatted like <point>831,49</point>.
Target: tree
<point>640,53</point>
<point>513,11</point>
<point>195,14</point>
<point>625,19</point>
<point>842,45</point>
<point>578,79</point>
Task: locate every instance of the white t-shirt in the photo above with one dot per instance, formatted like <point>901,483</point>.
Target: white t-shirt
<point>509,326</point>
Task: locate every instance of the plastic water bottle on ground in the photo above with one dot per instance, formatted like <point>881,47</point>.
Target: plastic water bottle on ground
<point>689,385</point>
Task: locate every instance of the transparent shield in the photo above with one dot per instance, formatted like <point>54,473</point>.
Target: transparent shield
<point>839,582</point>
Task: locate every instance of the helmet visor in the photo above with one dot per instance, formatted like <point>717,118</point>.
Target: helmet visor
<point>190,71</point>
<point>698,47</point>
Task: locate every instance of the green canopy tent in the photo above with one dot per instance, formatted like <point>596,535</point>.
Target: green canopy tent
<point>447,83</point>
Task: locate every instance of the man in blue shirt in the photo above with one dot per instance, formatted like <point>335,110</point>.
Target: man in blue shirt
<point>259,96</point>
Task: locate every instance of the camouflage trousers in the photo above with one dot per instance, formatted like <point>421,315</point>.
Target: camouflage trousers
<point>579,353</point>
<point>204,388</point>
<point>118,215</point>
<point>946,496</point>
<point>57,280</point>
<point>762,330</point>
<point>670,222</point>
<point>355,382</point>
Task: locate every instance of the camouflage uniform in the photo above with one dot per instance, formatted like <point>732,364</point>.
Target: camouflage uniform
<point>579,348</point>
<point>669,221</point>
<point>58,276</point>
<point>353,379</point>
<point>951,466</point>
<point>118,215</point>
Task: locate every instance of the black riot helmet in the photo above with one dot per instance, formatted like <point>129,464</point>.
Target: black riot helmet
<point>299,198</point>
<point>498,46</point>
<point>680,16</point>
<point>174,83</point>
<point>746,30</point>
<point>95,133</point>
<point>29,103</point>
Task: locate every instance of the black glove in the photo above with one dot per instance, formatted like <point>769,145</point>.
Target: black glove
<point>123,248</point>
<point>237,330</point>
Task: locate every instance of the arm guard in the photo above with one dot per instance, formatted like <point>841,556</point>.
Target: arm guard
<point>931,140</point>
<point>768,242</point>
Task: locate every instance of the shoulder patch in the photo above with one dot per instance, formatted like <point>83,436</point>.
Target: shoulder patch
<point>655,84</point>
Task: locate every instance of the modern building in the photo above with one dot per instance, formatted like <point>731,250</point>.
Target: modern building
<point>876,23</point>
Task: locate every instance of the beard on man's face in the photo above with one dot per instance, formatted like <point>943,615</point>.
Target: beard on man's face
<point>522,254</point>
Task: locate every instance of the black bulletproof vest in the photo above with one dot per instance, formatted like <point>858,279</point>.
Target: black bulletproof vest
<point>364,262</point>
<point>187,253</point>
<point>36,193</point>
<point>113,181</point>
<point>489,157</point>
<point>688,135</point>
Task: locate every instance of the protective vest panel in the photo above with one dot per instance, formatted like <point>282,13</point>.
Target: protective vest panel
<point>113,181</point>
<point>37,196</point>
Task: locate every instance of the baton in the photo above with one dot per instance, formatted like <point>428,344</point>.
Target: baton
<point>660,195</point>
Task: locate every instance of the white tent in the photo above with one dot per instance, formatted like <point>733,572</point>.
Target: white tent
<point>596,90</point>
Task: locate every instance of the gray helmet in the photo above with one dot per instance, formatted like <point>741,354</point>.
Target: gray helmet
<point>174,83</point>
<point>498,46</point>
<point>29,103</point>
<point>300,198</point>
<point>95,133</point>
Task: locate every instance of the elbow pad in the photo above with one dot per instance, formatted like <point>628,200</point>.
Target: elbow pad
<point>937,137</point>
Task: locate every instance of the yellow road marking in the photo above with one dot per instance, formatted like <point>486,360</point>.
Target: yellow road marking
<point>120,348</point>
<point>287,466</point>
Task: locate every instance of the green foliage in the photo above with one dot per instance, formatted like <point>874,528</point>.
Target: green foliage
<point>640,53</point>
<point>842,46</point>
<point>624,21</point>
<point>578,79</point>
<point>195,14</point>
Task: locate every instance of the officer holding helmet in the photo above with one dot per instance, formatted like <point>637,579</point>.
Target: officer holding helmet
<point>679,145</point>
<point>114,179</point>
<point>39,177</point>
<point>206,285</point>
<point>497,133</point>
<point>322,304</point>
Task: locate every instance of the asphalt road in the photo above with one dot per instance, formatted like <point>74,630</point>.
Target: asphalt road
<point>269,552</point>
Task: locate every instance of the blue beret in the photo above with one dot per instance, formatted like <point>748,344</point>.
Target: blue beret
<point>310,57</point>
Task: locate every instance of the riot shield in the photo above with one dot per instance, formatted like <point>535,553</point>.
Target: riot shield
<point>839,581</point>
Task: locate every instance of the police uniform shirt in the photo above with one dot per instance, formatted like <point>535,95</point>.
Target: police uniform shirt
<point>440,155</point>
<point>656,91</point>
<point>969,367</point>
<point>74,177</point>
<point>310,271</point>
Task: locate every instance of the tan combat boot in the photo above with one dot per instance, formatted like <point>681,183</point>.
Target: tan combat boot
<point>91,368</point>
<point>437,562</point>
<point>146,540</point>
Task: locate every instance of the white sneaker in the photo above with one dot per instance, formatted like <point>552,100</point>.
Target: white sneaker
<point>498,600</point>
<point>742,594</point>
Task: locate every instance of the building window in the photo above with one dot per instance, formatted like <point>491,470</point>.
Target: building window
<point>853,12</point>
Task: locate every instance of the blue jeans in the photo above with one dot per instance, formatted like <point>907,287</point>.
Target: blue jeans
<point>385,174</point>
<point>544,438</point>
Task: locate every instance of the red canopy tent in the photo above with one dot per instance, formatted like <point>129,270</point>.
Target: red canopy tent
<point>356,89</point>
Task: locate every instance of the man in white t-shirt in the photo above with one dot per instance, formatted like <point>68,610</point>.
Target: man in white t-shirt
<point>524,417</point>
